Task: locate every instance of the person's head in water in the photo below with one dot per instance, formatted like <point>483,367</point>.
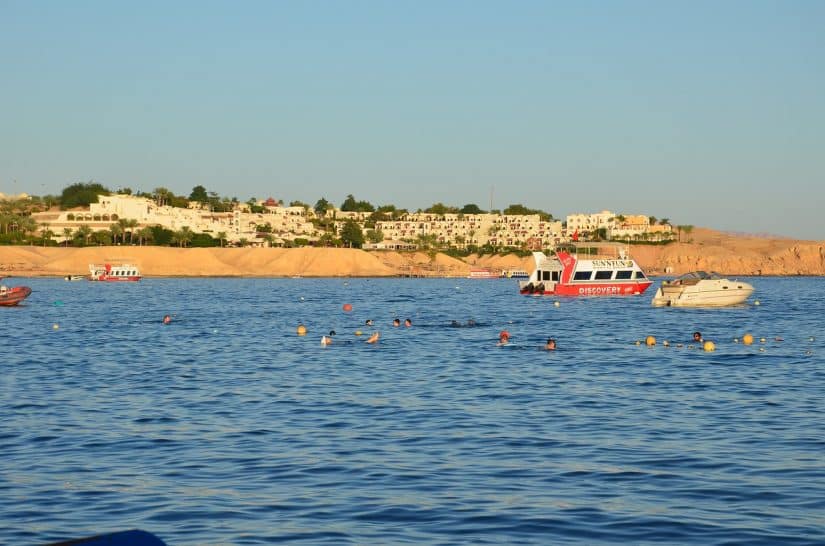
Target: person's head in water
<point>697,336</point>
<point>503,337</point>
<point>167,319</point>
<point>396,322</point>
<point>550,345</point>
<point>408,323</point>
<point>368,322</point>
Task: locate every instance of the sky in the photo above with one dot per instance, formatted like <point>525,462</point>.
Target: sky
<point>704,112</point>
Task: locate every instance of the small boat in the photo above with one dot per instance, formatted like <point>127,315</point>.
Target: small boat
<point>10,296</point>
<point>110,272</point>
<point>482,274</point>
<point>74,277</point>
<point>515,274</point>
<point>701,289</point>
<point>586,269</point>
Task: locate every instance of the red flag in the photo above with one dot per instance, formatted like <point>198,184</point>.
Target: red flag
<point>576,235</point>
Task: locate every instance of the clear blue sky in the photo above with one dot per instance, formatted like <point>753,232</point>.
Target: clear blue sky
<point>708,113</point>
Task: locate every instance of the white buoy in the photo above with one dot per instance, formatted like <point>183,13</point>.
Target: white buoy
<point>756,302</point>
<point>55,326</point>
<point>556,304</point>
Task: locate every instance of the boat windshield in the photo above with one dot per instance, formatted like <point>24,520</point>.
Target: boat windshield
<point>698,276</point>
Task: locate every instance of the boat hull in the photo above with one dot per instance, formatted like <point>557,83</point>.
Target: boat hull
<point>710,298</point>
<point>590,289</point>
<point>114,279</point>
<point>13,296</point>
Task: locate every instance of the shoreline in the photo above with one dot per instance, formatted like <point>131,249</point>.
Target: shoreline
<point>707,251</point>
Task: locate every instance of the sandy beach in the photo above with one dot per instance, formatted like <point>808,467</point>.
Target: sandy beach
<point>709,250</point>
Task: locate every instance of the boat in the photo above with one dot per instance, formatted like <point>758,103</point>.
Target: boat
<point>111,272</point>
<point>586,269</point>
<point>701,289</point>
<point>74,277</point>
<point>482,274</point>
<point>515,274</point>
<point>10,296</point>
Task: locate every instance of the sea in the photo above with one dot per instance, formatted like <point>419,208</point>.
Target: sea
<point>226,427</point>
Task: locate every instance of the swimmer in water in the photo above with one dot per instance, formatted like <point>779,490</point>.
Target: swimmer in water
<point>374,338</point>
<point>167,319</point>
<point>697,337</point>
<point>550,345</point>
<point>408,323</point>
<point>368,322</point>
<point>503,337</point>
<point>396,323</point>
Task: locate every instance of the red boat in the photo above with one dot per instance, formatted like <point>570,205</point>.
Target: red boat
<point>14,295</point>
<point>606,270</point>
<point>114,272</point>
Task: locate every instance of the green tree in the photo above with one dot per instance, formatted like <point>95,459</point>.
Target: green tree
<point>222,237</point>
<point>102,237</point>
<point>183,236</point>
<point>81,194</point>
<point>116,230</point>
<point>375,235</point>
<point>471,208</point>
<point>144,235</point>
<point>351,205</point>
<point>199,194</point>
<point>352,235</point>
<point>162,196</point>
<point>322,206</point>
<point>521,210</point>
<point>82,234</point>
<point>439,208</point>
<point>67,235</point>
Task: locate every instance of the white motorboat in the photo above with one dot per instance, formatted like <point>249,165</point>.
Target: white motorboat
<point>701,289</point>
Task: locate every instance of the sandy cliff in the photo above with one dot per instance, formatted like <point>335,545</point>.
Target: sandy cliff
<point>708,250</point>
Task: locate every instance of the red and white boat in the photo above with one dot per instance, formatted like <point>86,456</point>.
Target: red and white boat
<point>586,269</point>
<point>10,296</point>
<point>114,272</point>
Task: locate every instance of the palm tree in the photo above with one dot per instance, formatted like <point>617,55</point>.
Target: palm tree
<point>83,233</point>
<point>221,237</point>
<point>145,234</point>
<point>123,223</point>
<point>131,224</point>
<point>116,230</point>
<point>67,235</point>
<point>46,233</point>
<point>183,236</point>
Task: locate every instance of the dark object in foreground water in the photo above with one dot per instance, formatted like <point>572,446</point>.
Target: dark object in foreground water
<point>135,537</point>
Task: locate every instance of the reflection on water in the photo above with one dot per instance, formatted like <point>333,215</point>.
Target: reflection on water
<point>225,427</point>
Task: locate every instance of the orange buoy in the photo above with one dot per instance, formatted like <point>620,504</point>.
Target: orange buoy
<point>650,341</point>
<point>747,339</point>
<point>347,307</point>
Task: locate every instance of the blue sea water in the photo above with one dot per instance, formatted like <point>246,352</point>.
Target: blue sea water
<point>225,427</point>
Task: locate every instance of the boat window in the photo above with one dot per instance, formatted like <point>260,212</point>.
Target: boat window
<point>556,276</point>
<point>639,275</point>
<point>604,275</point>
<point>545,275</point>
<point>582,276</point>
<point>624,274</point>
